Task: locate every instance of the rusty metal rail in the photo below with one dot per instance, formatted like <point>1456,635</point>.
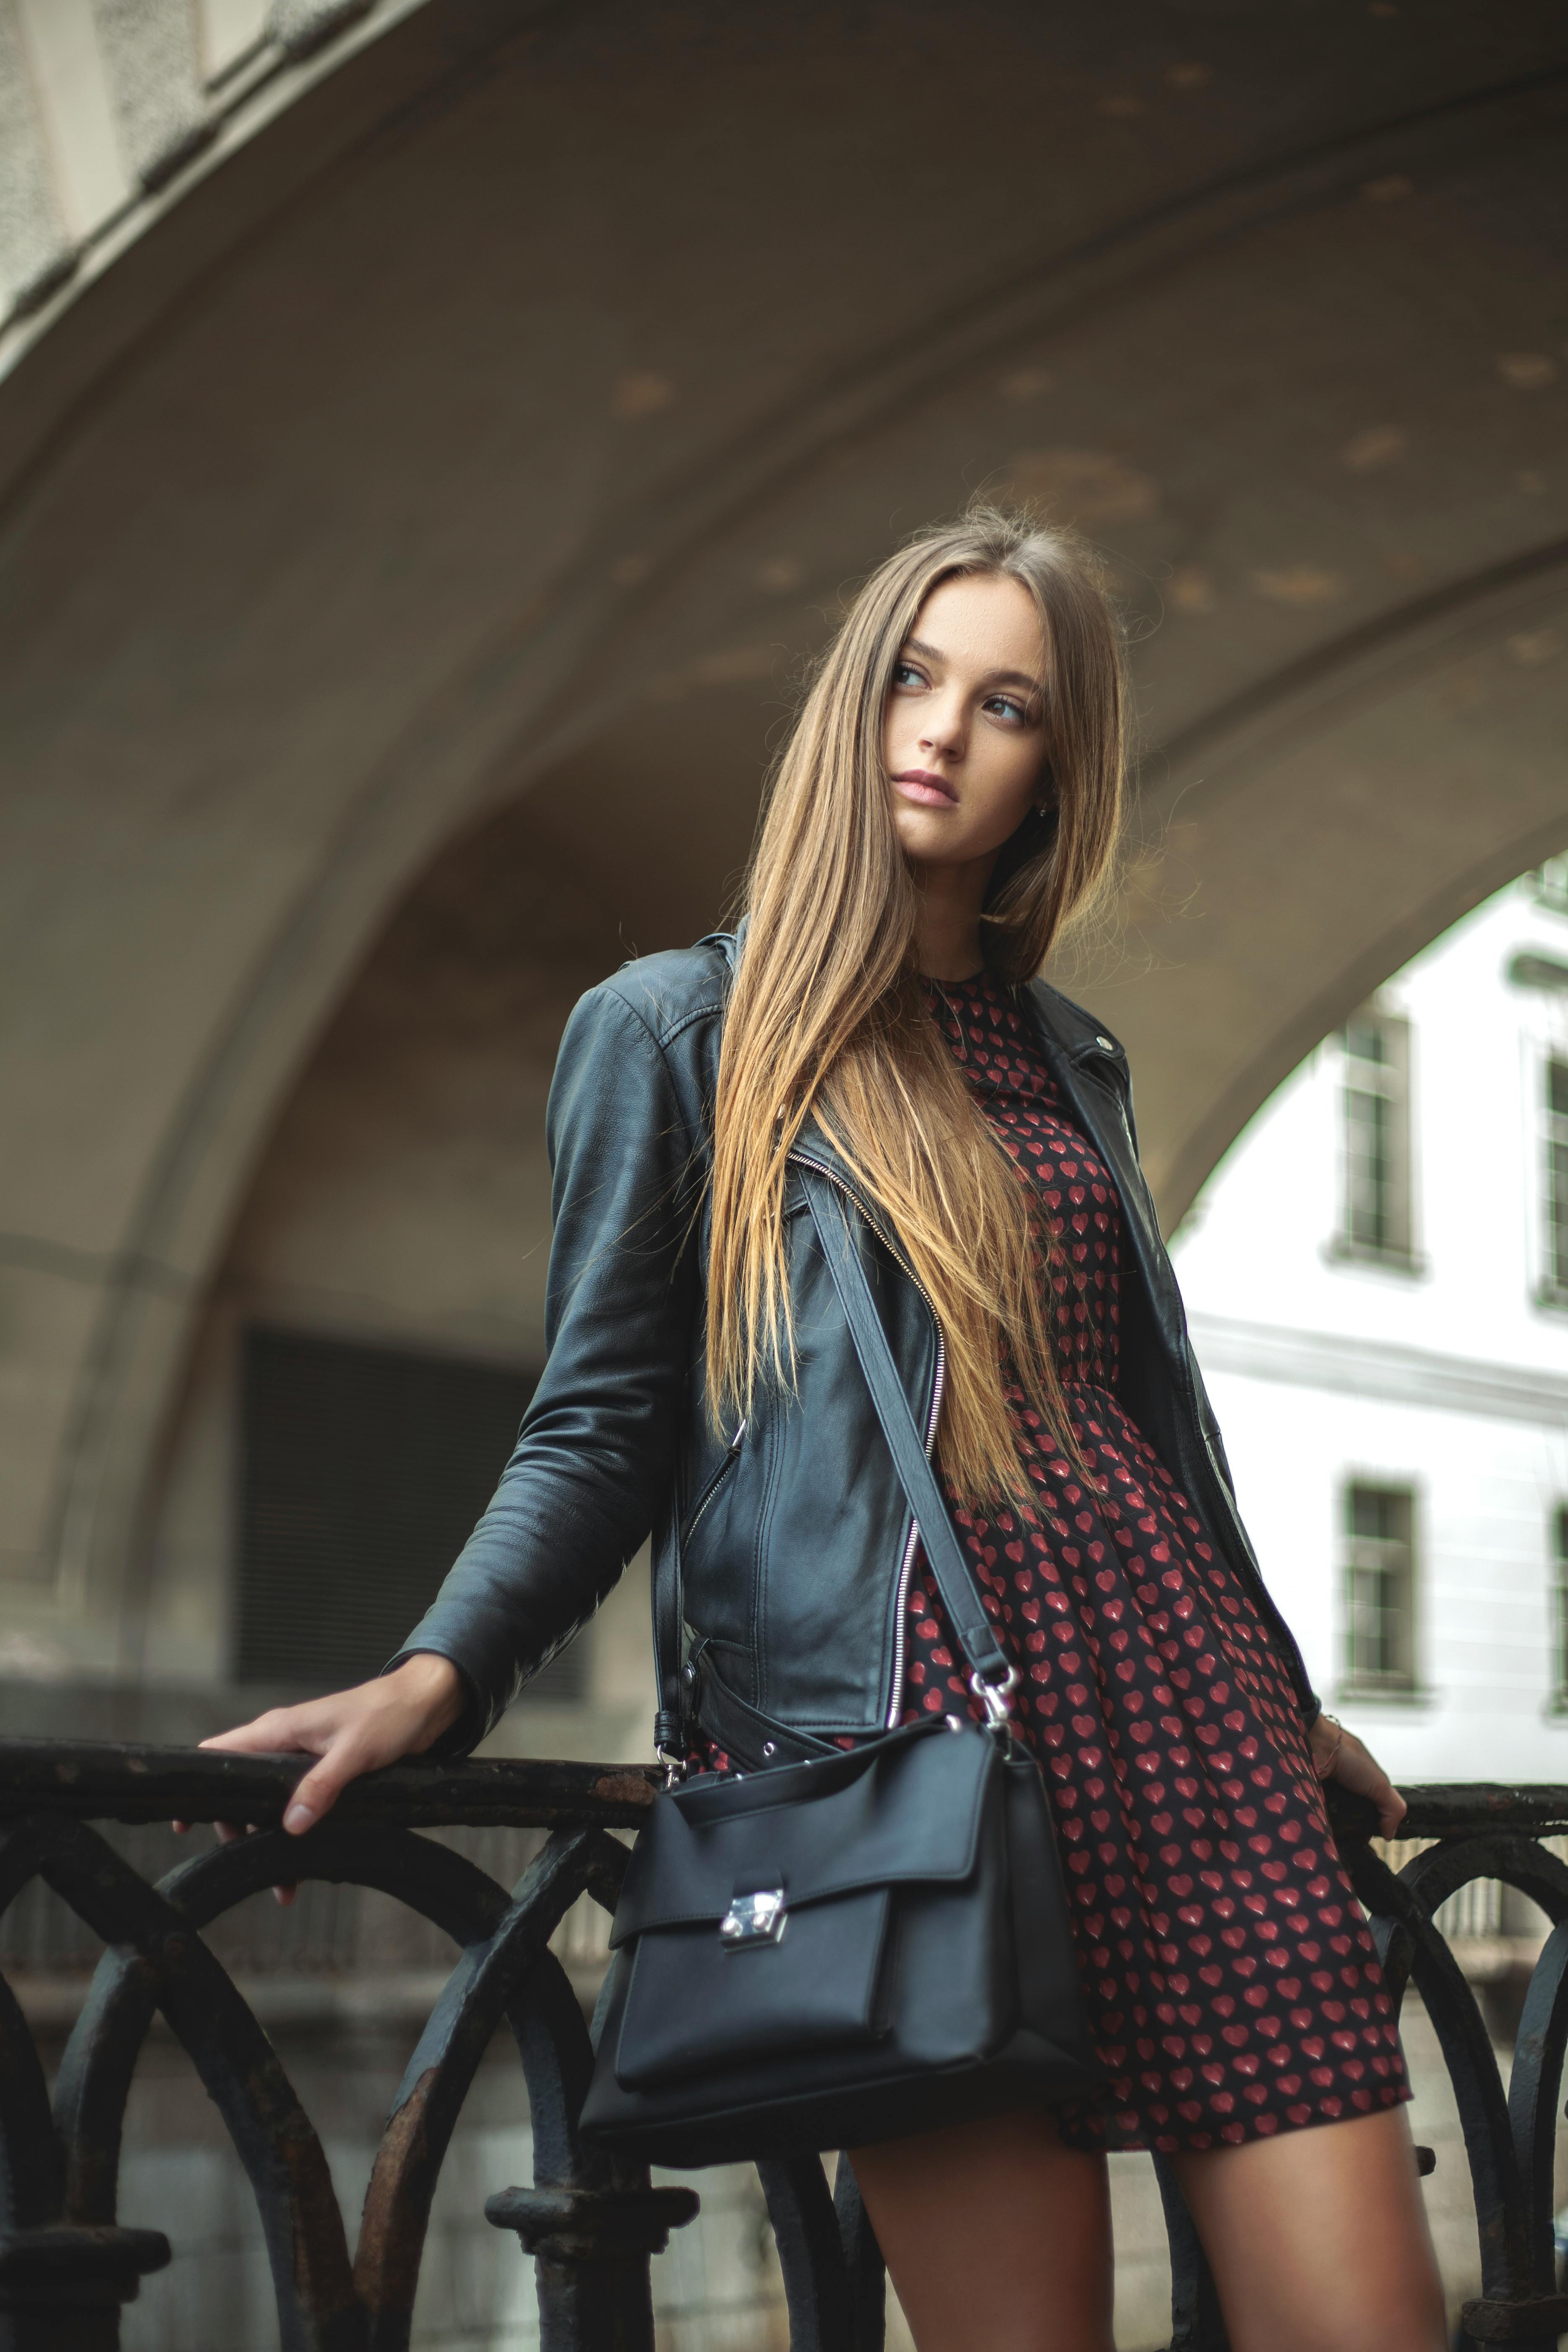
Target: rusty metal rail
<point>66,2267</point>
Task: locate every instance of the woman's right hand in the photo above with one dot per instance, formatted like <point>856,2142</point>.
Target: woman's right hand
<point>351,1732</point>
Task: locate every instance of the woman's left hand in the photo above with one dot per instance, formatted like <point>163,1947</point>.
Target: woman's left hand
<point>1339,1755</point>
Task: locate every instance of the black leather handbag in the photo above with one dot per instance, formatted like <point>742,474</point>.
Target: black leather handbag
<point>832,1952</point>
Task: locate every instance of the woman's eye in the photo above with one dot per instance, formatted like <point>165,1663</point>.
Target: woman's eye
<point>1005,703</point>
<point>905,673</point>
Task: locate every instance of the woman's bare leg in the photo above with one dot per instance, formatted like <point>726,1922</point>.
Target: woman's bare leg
<point>996,2237</point>
<point>1318,2240</point>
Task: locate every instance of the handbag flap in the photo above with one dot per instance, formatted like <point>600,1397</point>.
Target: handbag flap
<point>904,1810</point>
<point>694,2004</point>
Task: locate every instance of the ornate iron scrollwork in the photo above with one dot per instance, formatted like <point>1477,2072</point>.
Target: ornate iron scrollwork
<point>591,2223</point>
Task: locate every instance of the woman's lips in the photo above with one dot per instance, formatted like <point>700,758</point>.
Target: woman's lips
<point>930,791</point>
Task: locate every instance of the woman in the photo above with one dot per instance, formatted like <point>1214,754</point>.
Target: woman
<point>948,805</point>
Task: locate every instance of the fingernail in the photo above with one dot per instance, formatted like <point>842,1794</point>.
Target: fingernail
<point>297,1818</point>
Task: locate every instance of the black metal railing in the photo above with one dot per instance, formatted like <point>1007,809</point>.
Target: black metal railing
<point>67,2266</point>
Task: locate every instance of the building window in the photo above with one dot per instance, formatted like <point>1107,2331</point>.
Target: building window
<point>1551,885</point>
<point>1555,1190</point>
<point>1380,1575</point>
<point>1547,974</point>
<point>1377,1220</point>
<point>363,1472</point>
<point>1559,1604</point>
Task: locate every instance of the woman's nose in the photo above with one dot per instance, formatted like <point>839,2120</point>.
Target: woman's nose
<point>943,729</point>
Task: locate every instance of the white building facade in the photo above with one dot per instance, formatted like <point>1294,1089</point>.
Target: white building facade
<point>1377,1281</point>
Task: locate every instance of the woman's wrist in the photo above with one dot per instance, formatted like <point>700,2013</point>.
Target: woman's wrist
<point>1325,1740</point>
<point>435,1688</point>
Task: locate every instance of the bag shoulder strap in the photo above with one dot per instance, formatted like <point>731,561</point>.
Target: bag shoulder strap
<point>955,1579</point>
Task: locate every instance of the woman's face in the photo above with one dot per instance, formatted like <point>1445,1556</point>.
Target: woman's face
<point>964,736</point>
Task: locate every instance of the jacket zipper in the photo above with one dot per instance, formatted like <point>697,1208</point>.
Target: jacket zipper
<point>731,1455</point>
<point>906,1567</point>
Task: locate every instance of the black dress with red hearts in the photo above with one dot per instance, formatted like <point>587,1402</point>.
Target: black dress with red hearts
<point>1232,1983</point>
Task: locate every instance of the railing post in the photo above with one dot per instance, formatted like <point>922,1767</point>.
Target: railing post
<point>1198,2323</point>
<point>864,2267</point>
<point>592,2248</point>
<point>62,2281</point>
<point>61,2288</point>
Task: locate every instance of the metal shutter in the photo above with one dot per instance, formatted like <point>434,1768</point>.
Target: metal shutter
<point>363,1472</point>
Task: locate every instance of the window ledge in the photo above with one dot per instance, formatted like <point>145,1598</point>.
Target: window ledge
<point>1550,1300</point>
<point>1408,1262</point>
<point>1401,1694</point>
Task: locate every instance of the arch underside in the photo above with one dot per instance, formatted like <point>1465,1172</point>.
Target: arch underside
<point>410,547</point>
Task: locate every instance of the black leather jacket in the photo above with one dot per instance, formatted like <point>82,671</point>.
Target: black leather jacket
<point>791,1535</point>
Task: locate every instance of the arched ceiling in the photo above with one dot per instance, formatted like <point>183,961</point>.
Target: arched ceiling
<point>499,422</point>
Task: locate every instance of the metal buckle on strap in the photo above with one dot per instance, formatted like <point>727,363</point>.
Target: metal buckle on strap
<point>997,1699</point>
<point>752,1919</point>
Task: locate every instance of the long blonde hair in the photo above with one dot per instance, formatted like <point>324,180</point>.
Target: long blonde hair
<point>828,1017</point>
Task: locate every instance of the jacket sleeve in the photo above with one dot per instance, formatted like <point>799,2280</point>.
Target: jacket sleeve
<point>595,1453</point>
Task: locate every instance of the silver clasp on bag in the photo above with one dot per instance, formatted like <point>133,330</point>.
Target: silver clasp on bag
<point>997,1699</point>
<point>752,1919</point>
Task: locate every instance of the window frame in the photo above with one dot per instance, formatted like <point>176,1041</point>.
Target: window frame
<point>1358,1678</point>
<point>1385,1078</point>
<point>1557,1607</point>
<point>1551,1180</point>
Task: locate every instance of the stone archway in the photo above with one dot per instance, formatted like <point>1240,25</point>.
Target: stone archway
<point>497,423</point>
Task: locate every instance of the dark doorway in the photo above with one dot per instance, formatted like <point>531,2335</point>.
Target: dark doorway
<point>363,1472</point>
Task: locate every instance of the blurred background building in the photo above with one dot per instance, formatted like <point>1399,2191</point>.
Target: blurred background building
<point>1377,1281</point>
<point>434,436</point>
